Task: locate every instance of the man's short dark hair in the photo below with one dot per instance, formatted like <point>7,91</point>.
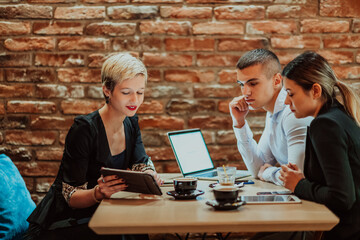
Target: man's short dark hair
<point>268,59</point>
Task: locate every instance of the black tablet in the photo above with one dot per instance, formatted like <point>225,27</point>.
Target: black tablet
<point>138,182</point>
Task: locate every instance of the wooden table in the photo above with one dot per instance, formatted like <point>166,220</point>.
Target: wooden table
<point>166,215</point>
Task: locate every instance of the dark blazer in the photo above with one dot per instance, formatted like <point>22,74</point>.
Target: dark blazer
<point>332,169</point>
<point>86,151</point>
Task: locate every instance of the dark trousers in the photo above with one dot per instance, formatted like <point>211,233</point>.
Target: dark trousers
<point>284,236</point>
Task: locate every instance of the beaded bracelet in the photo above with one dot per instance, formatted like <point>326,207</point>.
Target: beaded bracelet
<point>94,194</point>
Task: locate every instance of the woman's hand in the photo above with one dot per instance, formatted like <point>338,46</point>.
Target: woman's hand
<point>159,181</point>
<point>109,185</point>
<point>290,174</point>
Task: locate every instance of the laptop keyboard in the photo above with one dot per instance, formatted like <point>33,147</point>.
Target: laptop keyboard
<point>208,174</point>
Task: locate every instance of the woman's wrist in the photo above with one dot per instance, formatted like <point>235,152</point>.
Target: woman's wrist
<point>98,196</point>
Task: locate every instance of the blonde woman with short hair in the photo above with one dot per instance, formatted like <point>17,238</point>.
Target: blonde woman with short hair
<point>108,137</point>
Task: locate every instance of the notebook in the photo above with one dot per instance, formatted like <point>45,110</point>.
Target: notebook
<point>193,156</point>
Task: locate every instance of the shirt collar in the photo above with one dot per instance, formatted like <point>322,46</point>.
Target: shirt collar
<point>279,104</point>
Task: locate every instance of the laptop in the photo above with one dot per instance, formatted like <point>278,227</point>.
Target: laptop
<point>193,157</point>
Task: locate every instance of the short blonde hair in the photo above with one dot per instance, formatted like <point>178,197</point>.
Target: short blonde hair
<point>119,67</point>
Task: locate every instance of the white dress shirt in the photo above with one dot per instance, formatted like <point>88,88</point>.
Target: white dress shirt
<point>282,141</point>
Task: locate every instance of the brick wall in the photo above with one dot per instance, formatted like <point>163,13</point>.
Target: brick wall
<point>52,52</point>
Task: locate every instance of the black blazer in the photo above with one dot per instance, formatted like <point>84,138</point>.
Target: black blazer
<point>86,151</point>
<point>332,169</point>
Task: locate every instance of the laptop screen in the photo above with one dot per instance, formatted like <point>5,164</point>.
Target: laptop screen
<point>190,151</point>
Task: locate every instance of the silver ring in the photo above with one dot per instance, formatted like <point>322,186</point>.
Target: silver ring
<point>103,180</point>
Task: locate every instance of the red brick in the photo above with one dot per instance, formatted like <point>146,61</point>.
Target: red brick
<point>25,11</point>
<point>227,1</point>
<point>261,27</point>
<point>225,137</point>
<point>189,106</point>
<point>170,60</point>
<point>323,26</point>
<point>156,1</point>
<point>30,75</point>
<point>95,92</point>
<point>240,12</point>
<point>139,44</point>
<point>29,182</point>
<point>14,28</point>
<point>152,138</point>
<point>29,44</point>
<point>216,91</point>
<point>83,75</point>
<point>104,1</point>
<point>40,169</point>
<point>14,122</point>
<point>79,12</point>
<point>347,72</point>
<point>160,153</point>
<point>111,29</point>
<point>42,138</point>
<point>356,26</point>
<point>337,57</point>
<point>339,8</point>
<point>18,90</point>
<point>189,44</point>
<point>296,42</point>
<point>186,12</point>
<point>59,60</point>
<point>286,56</point>
<point>189,76</point>
<point>342,41</point>
<point>358,58</point>
<point>17,153</point>
<point>62,137</point>
<point>293,11</point>
<point>15,60</point>
<point>2,75</point>
<point>58,91</point>
<point>216,60</point>
<point>2,108</point>
<point>164,91</point>
<point>16,106</point>
<point>96,59</point>
<point>223,106</point>
<point>47,122</point>
<point>291,1</point>
<point>80,106</point>
<point>44,184</point>
<point>228,28</point>
<point>58,28</point>
<point>152,107</point>
<point>161,122</point>
<point>132,12</point>
<point>242,44</point>
<point>169,27</point>
<point>210,122</point>
<point>224,153</point>
<point>83,44</point>
<point>52,154</point>
<point>227,76</point>
<point>154,75</point>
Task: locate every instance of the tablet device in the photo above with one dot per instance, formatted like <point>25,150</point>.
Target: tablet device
<point>270,199</point>
<point>138,182</point>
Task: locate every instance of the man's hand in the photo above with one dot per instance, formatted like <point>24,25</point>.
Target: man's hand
<point>159,181</point>
<point>290,174</point>
<point>239,110</point>
<point>262,169</point>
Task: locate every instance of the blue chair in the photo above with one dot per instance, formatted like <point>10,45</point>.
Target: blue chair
<point>15,201</point>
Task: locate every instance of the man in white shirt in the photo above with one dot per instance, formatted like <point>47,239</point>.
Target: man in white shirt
<point>283,139</point>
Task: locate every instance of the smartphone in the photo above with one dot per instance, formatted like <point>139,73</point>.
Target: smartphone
<point>244,181</point>
<point>281,192</point>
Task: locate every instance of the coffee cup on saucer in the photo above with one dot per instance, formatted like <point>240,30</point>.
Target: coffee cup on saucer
<point>185,185</point>
<point>226,195</point>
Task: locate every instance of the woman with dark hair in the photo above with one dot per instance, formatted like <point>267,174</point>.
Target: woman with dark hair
<point>332,158</point>
<point>108,137</point>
